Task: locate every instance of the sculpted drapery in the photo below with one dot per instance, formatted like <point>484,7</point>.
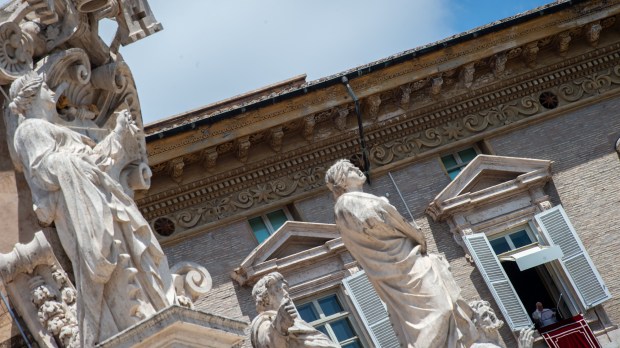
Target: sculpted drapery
<point>422,298</point>
<point>120,270</point>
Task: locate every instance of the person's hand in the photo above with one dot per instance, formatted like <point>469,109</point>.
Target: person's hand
<point>285,317</point>
<point>124,123</point>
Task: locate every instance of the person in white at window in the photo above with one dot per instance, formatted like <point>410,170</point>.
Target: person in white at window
<point>543,316</point>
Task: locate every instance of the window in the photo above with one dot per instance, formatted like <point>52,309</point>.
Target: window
<point>328,315</point>
<point>516,291</point>
<point>455,162</point>
<point>512,240</point>
<point>265,225</point>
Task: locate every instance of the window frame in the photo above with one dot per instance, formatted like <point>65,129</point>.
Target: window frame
<point>459,162</point>
<point>326,320</point>
<point>267,222</point>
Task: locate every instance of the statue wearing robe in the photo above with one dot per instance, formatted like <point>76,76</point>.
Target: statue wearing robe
<point>421,296</point>
<point>121,272</point>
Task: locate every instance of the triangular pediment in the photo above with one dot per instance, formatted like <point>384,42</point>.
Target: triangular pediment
<point>487,177</point>
<point>291,241</point>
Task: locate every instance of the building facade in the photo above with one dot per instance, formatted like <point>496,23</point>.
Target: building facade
<point>495,140</point>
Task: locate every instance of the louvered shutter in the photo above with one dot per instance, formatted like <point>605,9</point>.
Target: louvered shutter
<point>498,282</point>
<point>576,262</point>
<point>371,310</point>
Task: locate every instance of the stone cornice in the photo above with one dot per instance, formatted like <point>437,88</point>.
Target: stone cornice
<point>425,67</point>
<point>397,133</point>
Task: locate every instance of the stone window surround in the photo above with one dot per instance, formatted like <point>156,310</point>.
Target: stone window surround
<point>501,207</point>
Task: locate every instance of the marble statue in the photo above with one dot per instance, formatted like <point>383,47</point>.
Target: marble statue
<point>421,296</point>
<point>121,272</point>
<point>278,324</point>
<point>488,325</point>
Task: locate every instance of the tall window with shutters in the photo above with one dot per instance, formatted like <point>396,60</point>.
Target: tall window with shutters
<point>584,289</point>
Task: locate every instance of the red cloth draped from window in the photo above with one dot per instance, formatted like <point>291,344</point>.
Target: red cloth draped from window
<point>570,333</point>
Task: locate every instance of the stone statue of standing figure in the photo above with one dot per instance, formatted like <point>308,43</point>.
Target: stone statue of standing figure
<point>278,324</point>
<point>421,296</point>
<point>121,272</point>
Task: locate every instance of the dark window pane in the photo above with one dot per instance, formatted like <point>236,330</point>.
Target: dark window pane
<point>330,305</point>
<point>354,344</point>
<point>277,219</point>
<point>260,230</point>
<point>307,313</point>
<point>520,238</point>
<point>342,328</point>
<point>453,173</point>
<point>500,245</point>
<point>468,155</point>
<point>449,161</point>
<point>323,330</point>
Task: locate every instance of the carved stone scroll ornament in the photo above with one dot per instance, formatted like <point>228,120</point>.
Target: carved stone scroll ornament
<point>190,281</point>
<point>278,324</point>
<point>41,293</point>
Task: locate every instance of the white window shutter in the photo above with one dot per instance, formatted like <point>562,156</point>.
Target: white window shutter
<point>493,273</point>
<point>576,262</point>
<point>371,310</point>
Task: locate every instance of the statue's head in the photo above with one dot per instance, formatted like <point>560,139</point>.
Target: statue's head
<point>270,291</point>
<point>342,176</point>
<point>29,92</point>
<point>484,317</point>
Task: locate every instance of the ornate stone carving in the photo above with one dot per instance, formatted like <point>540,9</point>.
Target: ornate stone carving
<point>190,281</point>
<point>175,169</point>
<point>278,323</point>
<point>41,293</point>
<point>308,130</point>
<point>530,54</point>
<point>340,119</point>
<point>15,52</point>
<point>467,74</point>
<point>210,157</point>
<point>243,147</point>
<point>563,42</point>
<point>436,83</point>
<point>373,103</point>
<point>406,94</point>
<point>275,138</point>
<point>58,317</point>
<point>592,33</point>
<point>403,137</point>
<point>488,325</point>
<point>498,64</point>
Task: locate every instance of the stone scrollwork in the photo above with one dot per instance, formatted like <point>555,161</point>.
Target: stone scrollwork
<point>190,281</point>
<point>255,196</point>
<point>15,52</point>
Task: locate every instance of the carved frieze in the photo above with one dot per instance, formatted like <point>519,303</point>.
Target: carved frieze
<point>513,96</point>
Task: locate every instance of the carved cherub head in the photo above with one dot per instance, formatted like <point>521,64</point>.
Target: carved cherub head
<point>343,176</point>
<point>270,292</point>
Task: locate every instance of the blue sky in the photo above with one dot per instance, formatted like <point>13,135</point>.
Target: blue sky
<point>212,50</point>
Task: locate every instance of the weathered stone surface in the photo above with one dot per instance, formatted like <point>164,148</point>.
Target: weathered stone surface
<point>423,300</point>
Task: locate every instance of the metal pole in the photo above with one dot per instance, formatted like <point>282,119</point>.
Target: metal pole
<point>402,199</point>
<point>21,331</point>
